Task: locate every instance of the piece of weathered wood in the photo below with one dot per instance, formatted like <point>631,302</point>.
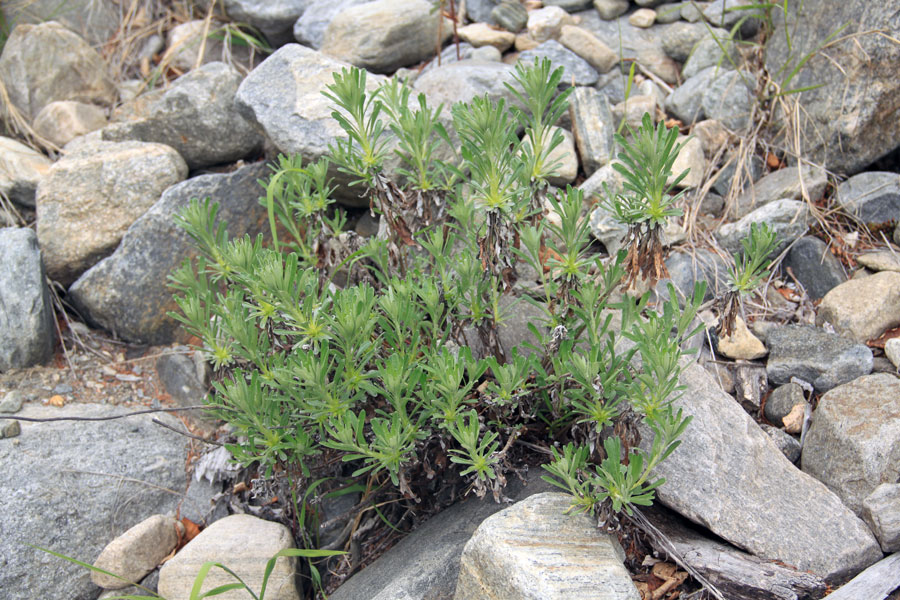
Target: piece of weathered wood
<point>875,583</point>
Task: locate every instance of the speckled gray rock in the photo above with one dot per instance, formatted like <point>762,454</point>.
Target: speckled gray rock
<point>310,28</point>
<point>12,401</point>
<point>576,70</point>
<point>726,13</point>
<point>464,80</point>
<point>873,197</point>
<point>135,553</point>
<point>26,321</point>
<point>849,120</point>
<point>480,10</point>
<point>511,16</point>
<point>242,542</point>
<point>863,309</point>
<point>197,117</point>
<point>611,9</point>
<point>881,511</point>
<point>64,120</point>
<point>708,53</point>
<point>593,127</point>
<point>739,171</point>
<point>687,268</point>
<point>686,101</point>
<point>274,19</point>
<point>94,20</point>
<point>853,443</point>
<point>814,266</point>
<point>21,169</point>
<point>90,197</point>
<point>768,498</point>
<point>47,62</point>
<point>127,291</point>
<point>681,37</point>
<point>782,401</point>
<point>729,97</point>
<point>783,183</point>
<point>532,550</point>
<point>788,218</point>
<point>383,35</point>
<point>96,479</point>
<point>788,444</point>
<point>669,12</point>
<point>823,359</point>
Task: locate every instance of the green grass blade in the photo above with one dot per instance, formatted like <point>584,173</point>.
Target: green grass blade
<point>97,570</point>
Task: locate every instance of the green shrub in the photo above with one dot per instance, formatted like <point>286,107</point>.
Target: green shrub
<point>377,370</point>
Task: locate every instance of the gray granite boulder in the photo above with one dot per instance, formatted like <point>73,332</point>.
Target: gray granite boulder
<point>872,197</point>
<point>814,266</point>
<point>275,19</point>
<point>729,476</point>
<point>127,292</point>
<point>93,194</point>
<point>26,321</point>
<point>47,62</point>
<point>310,28</point>
<point>822,359</point>
<point>384,35</point>
<point>862,309</point>
<point>788,218</point>
<point>849,120</point>
<point>533,550</point>
<point>21,169</point>
<point>463,81</point>
<point>576,70</point>
<point>853,443</point>
<point>881,511</point>
<point>73,486</point>
<point>197,117</point>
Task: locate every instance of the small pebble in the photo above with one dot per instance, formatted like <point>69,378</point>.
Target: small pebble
<point>9,428</point>
<point>643,18</point>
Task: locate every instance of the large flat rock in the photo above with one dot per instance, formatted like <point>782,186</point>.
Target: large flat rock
<point>729,476</point>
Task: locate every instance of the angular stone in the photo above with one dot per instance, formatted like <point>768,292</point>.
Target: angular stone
<point>883,260</point>
<point>814,267</point>
<point>564,155</point>
<point>708,52</point>
<point>611,9</point>
<point>741,344</point>
<point>729,98</point>
<point>127,291</point>
<point>796,183</point>
<point>310,28</point>
<point>511,16</point>
<point>740,169</point>
<point>480,10</point>
<point>750,386</point>
<point>863,309</point>
<point>12,402</point>
<point>465,80</point>
<point>197,117</point>
<point>570,6</point>
<point>274,19</point>
<point>788,444</point>
<point>681,38</point>
<point>593,127</point>
<point>64,120</point>
<point>26,321</point>
<point>687,268</point>
<point>576,70</point>
<point>481,34</point>
<point>822,359</point>
<point>21,169</point>
<point>788,218</point>
<point>645,45</point>
<point>384,35</point>
<point>592,187</point>
<point>849,120</point>
<point>643,18</point>
<point>96,479</point>
<point>93,194</point>
<point>712,135</point>
<point>692,158</point>
<point>729,476</point>
<point>135,553</point>
<point>184,43</point>
<point>686,102</point>
<point>873,197</point>
<point>9,429</point>
<point>633,109</point>
<point>546,23</point>
<point>244,544</point>
<point>586,45</point>
<point>533,550</point>
<point>94,20</point>
<point>853,443</point>
<point>881,512</point>
<point>726,13</point>
<point>47,62</point>
<point>782,401</point>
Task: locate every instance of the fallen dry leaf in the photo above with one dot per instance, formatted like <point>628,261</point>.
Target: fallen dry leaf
<point>57,401</point>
